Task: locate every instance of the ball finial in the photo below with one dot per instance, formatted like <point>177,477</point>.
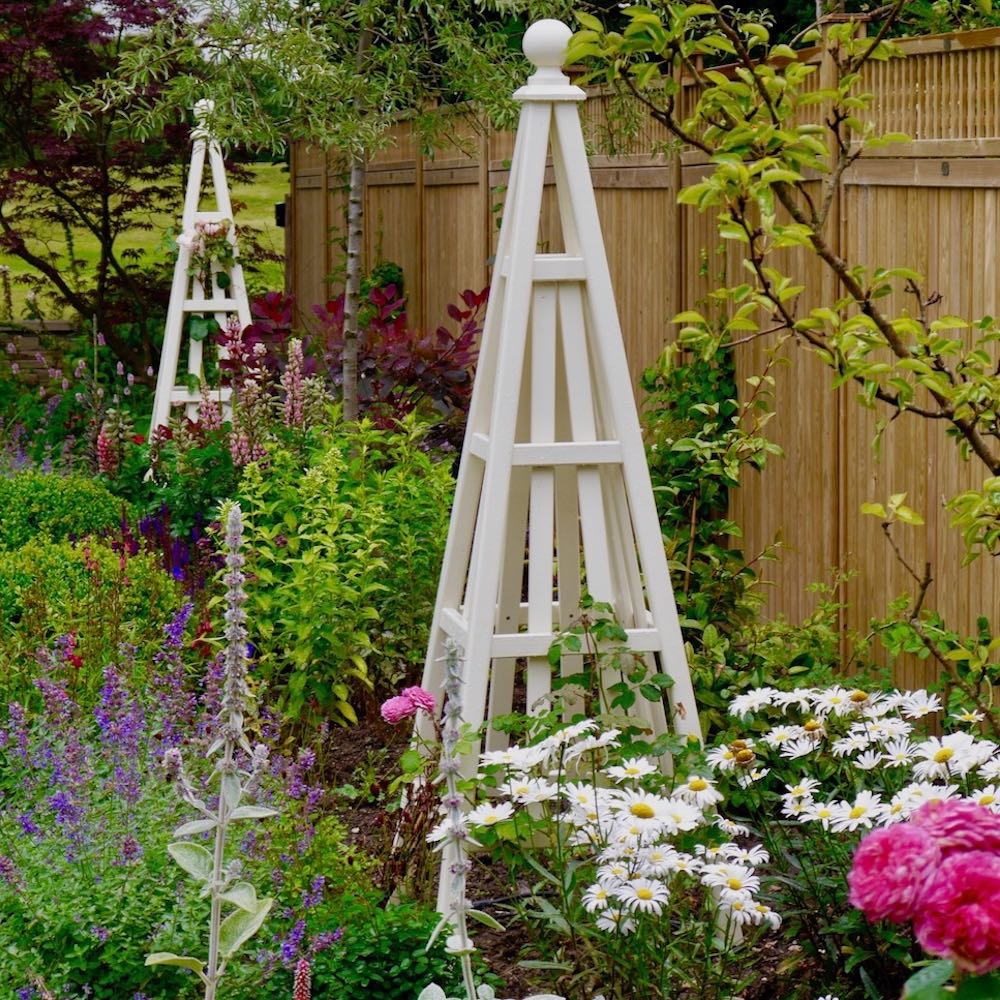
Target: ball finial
<point>545,43</point>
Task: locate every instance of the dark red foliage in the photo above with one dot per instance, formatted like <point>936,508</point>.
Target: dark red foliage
<point>100,180</point>
<point>401,370</point>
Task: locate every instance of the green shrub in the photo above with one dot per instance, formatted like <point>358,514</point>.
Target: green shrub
<point>99,597</point>
<point>345,547</point>
<point>383,953</point>
<point>38,504</point>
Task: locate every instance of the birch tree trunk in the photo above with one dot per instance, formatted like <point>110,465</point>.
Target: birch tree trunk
<point>352,286</point>
<point>355,247</point>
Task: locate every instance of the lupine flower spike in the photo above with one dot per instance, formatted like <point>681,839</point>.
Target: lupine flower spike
<point>303,981</point>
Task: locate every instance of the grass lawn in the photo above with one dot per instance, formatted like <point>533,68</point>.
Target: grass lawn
<point>269,187</point>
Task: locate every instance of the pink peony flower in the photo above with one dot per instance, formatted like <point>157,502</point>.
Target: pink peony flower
<point>421,698</point>
<point>959,915</point>
<point>397,709</point>
<point>891,870</point>
<point>959,826</point>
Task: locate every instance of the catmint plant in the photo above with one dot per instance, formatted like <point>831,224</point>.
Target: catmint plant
<point>220,880</point>
<point>454,836</point>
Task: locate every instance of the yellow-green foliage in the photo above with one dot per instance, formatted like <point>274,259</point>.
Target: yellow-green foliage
<point>345,548</point>
<point>39,504</point>
<point>104,598</point>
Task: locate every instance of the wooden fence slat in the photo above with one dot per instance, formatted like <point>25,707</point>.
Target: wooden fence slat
<point>930,203</point>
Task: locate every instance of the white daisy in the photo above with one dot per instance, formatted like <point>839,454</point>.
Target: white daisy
<point>763,914</point>
<point>898,753</point>
<point>731,877</point>
<point>733,829</point>
<point>615,921</point>
<point>801,747</point>
<point>782,734</point>
<point>490,813</point>
<point>862,812</point>
<point>968,715</point>
<point>917,704</point>
<point>643,895</point>
<point>700,791</point>
<point>820,812</point>
<point>803,788</point>
<point>629,770</point>
<point>752,701</point>
<point>988,797</point>
<point>835,699</point>
<point>598,896</point>
<point>868,760</point>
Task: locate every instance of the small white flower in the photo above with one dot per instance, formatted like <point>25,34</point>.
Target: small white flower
<point>527,790</point>
<point>782,734</point>
<point>988,797</point>
<point>731,877</point>
<point>752,701</point>
<point>747,778</point>
<point>643,895</point>
<point>898,753</point>
<point>917,704</point>
<point>820,812</point>
<point>598,896</point>
<point>801,747</point>
<point>629,770</point>
<point>836,700</point>
<point>490,813</point>
<point>616,921</point>
<point>733,829</point>
<point>700,791</point>
<point>756,855</point>
<point>868,760</point>
<point>803,788</point>
<point>862,812</point>
<point>763,914</point>
<point>969,715</point>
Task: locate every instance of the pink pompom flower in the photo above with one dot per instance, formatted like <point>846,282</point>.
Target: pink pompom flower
<point>890,872</point>
<point>959,915</point>
<point>395,710</point>
<point>421,698</point>
<point>959,826</point>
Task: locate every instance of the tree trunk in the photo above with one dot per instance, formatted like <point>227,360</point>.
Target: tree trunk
<point>352,286</point>
<point>355,247</point>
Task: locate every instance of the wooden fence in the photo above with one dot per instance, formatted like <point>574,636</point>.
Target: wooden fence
<point>930,204</point>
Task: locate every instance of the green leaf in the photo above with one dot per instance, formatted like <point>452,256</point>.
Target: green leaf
<point>193,858</point>
<point>875,509</point>
<point>979,988</point>
<point>240,926</point>
<point>181,961</point>
<point>243,895</point>
<point>411,761</point>
<point>223,280</point>
<point>485,919</point>
<point>252,812</point>
<point>195,826</point>
<point>232,790</point>
<point>927,983</point>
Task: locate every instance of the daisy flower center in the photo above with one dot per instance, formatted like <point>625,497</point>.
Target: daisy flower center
<point>735,883</point>
<point>643,810</point>
<point>857,812</point>
<point>812,725</point>
<point>643,893</point>
<point>697,784</point>
<point>944,754</point>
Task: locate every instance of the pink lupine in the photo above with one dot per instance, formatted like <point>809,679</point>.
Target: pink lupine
<point>303,981</point>
<point>291,382</point>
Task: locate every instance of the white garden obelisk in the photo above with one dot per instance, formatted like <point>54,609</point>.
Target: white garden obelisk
<point>553,493</point>
<point>188,294</point>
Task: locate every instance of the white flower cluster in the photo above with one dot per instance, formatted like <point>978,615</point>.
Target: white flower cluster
<point>870,732</point>
<point>607,815</point>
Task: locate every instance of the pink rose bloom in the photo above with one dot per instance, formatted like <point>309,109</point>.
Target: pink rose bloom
<point>397,709</point>
<point>890,872</point>
<point>421,698</point>
<point>959,916</point>
<point>959,826</point>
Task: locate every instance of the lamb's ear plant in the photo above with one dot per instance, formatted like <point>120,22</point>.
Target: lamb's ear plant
<point>221,882</point>
<point>454,742</point>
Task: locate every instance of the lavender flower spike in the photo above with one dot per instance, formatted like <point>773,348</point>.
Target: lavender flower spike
<point>235,691</point>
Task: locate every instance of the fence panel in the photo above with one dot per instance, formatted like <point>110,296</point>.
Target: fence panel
<point>930,204</point>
